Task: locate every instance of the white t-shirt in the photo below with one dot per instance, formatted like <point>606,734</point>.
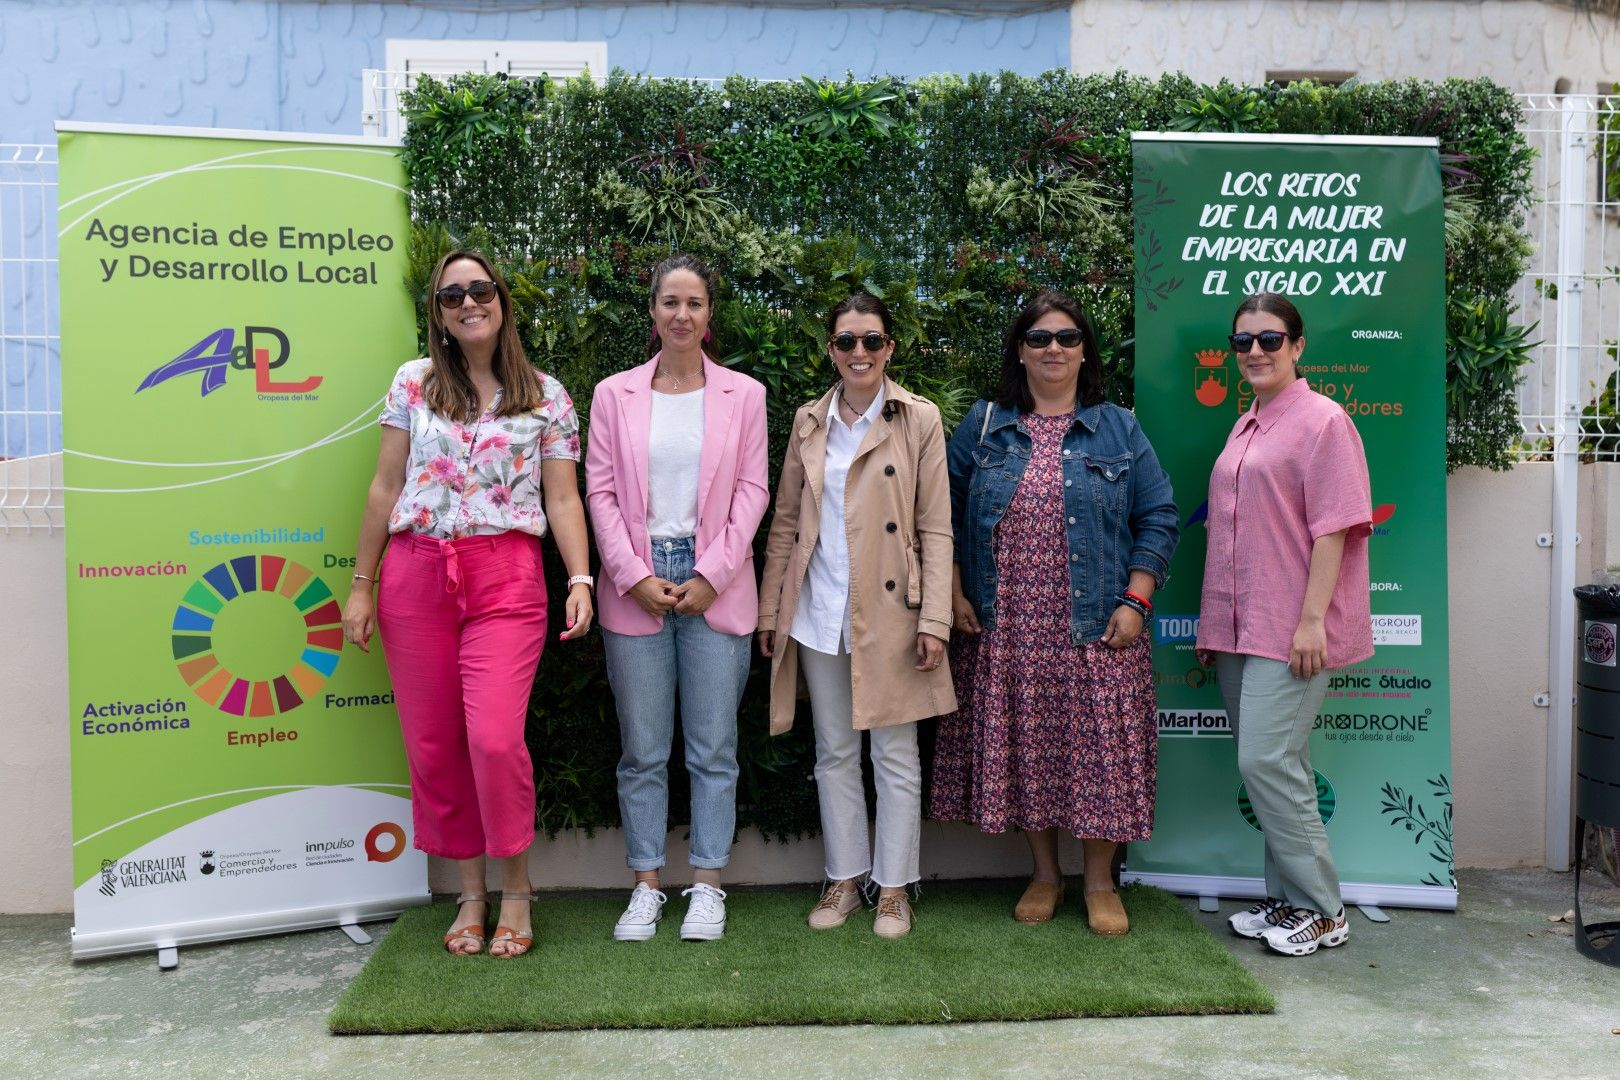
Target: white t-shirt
<point>674,457</point>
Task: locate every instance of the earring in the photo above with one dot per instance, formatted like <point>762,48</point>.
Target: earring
<point>444,337</point>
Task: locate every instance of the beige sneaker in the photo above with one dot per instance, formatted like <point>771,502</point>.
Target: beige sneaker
<point>893,916</point>
<point>836,904</point>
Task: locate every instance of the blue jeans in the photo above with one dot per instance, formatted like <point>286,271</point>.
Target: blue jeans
<point>708,670</point>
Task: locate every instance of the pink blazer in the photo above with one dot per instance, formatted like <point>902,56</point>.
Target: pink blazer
<point>732,495</point>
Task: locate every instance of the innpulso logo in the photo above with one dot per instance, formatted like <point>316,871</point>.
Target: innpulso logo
<point>219,353</point>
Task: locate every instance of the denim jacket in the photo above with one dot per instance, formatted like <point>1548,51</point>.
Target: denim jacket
<point>1117,502</point>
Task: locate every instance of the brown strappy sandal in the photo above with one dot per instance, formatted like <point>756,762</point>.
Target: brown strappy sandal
<point>515,943</point>
<point>473,933</point>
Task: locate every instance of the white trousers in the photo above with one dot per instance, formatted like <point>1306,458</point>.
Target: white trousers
<point>896,770</point>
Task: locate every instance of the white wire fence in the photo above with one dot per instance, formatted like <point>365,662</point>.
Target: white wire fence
<point>30,358</point>
<point>1571,290</point>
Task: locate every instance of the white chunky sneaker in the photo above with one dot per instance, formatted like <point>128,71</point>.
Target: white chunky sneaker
<point>1303,930</point>
<point>640,920</point>
<point>1254,922</point>
<point>705,914</point>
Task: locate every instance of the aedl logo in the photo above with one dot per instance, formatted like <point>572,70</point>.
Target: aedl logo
<point>219,352</point>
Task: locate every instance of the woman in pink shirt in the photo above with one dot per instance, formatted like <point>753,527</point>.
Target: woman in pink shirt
<point>476,465</point>
<point>1286,598</point>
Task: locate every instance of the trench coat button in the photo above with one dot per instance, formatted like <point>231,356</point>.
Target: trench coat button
<point>889,585</point>
<point>888,470</point>
<point>890,527</point>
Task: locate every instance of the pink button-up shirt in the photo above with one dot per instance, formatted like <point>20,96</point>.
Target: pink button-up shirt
<point>1289,474</point>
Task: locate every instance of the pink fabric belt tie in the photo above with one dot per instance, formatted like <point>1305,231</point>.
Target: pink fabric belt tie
<point>452,566</point>
<point>449,553</point>
<point>452,575</point>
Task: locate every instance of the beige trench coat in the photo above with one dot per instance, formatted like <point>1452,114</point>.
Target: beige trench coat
<point>897,515</point>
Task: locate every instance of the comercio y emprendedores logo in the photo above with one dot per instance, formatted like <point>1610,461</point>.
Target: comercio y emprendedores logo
<point>219,353</point>
<point>257,635</point>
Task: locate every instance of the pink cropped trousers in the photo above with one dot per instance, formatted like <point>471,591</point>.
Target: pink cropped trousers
<point>462,624</point>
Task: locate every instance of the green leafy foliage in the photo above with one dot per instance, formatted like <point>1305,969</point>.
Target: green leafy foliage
<point>954,197</point>
<point>1222,107</point>
<point>848,108</point>
<point>1065,204</point>
<point>674,205</point>
<point>1484,351</point>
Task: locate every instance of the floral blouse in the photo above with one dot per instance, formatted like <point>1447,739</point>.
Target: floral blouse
<point>479,478</point>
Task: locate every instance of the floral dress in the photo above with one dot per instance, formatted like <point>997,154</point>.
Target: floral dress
<point>479,478</point>
<point>1049,734</point>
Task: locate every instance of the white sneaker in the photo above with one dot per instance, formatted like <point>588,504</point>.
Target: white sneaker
<point>705,915</point>
<point>640,920</point>
<point>1303,930</point>
<point>1254,922</point>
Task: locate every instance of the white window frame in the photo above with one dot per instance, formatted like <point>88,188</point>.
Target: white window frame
<point>408,58</point>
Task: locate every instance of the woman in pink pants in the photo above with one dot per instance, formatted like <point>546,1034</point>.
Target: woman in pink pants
<point>474,441</point>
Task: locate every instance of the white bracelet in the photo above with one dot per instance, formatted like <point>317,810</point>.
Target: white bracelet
<point>582,579</point>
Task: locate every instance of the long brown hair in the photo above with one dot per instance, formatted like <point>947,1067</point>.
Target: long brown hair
<point>448,389</point>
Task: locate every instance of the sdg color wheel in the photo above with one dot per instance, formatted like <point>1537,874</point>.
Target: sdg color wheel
<point>306,609</point>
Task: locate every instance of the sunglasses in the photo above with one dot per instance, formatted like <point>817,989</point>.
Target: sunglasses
<point>871,341</point>
<point>1040,339</point>
<point>451,296</point>
<point>1268,340</point>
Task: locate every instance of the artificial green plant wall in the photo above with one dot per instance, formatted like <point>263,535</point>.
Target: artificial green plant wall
<point>952,197</point>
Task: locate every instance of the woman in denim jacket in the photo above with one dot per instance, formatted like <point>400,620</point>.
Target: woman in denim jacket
<point>1064,525</point>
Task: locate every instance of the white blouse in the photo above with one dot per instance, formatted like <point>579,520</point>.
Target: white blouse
<point>821,620</point>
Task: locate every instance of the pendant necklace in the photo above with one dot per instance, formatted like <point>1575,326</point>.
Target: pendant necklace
<point>673,381</point>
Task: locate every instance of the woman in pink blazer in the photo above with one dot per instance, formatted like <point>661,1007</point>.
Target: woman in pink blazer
<point>676,484</point>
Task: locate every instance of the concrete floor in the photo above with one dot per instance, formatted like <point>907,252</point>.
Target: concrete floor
<point>1492,990</point>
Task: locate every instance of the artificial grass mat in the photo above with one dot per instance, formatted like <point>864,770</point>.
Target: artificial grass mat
<point>966,959</point>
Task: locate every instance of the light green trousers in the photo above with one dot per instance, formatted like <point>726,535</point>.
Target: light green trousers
<point>1272,714</point>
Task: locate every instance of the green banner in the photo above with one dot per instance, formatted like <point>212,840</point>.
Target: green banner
<point>1352,231</point>
<point>232,311</point>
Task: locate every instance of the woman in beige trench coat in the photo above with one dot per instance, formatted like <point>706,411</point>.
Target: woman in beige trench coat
<point>857,597</point>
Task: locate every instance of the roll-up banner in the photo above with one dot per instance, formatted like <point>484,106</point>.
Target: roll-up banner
<point>1352,231</point>
<point>232,309</point>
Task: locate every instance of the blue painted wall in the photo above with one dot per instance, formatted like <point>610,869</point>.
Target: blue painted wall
<point>295,66</point>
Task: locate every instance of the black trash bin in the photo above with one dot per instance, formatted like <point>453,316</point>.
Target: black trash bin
<point>1597,746</point>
